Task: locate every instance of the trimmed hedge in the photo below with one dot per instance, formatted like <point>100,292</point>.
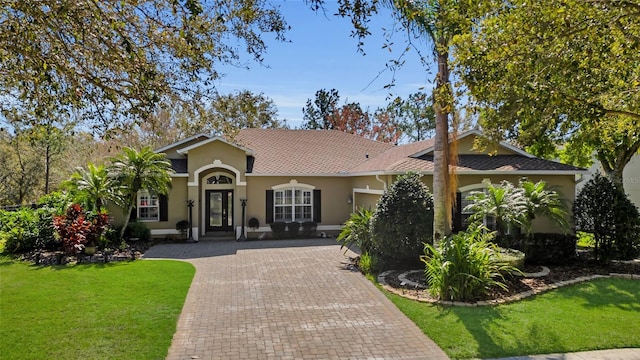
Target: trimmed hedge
<point>550,249</point>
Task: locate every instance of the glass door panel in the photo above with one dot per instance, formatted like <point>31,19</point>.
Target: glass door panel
<point>219,210</point>
<point>215,209</point>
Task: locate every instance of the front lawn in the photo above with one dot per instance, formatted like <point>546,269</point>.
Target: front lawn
<point>600,314</point>
<point>100,311</point>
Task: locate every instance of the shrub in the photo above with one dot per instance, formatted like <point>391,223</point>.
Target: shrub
<point>402,222</point>
<point>76,229</point>
<point>550,249</point>
<point>462,267</point>
<point>511,257</point>
<point>19,230</point>
<point>366,263</point>
<point>604,210</point>
<point>357,231</point>
<point>137,230</point>
<point>254,223</point>
<point>293,228</point>
<point>278,228</point>
<point>309,228</point>
<point>182,226</point>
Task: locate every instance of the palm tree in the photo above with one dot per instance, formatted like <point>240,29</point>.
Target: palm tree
<point>134,171</point>
<point>440,21</point>
<point>541,201</point>
<point>504,203</point>
<point>93,185</point>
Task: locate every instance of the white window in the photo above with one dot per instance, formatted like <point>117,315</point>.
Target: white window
<point>148,206</point>
<point>292,204</point>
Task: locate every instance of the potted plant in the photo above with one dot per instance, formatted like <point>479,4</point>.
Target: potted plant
<point>182,226</point>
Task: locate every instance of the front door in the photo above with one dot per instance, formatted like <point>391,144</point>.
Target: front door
<point>219,210</point>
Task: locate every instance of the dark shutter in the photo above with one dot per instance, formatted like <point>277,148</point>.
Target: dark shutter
<point>317,208</point>
<point>269,209</point>
<point>457,213</point>
<point>164,208</point>
<point>134,214</point>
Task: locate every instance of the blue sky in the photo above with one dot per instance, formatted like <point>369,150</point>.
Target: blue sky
<point>321,54</point>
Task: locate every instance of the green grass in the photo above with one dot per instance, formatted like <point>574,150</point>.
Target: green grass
<point>106,311</point>
<point>600,314</point>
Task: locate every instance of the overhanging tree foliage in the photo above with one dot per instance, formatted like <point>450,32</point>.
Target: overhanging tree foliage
<point>558,73</point>
<point>437,21</point>
<point>113,61</point>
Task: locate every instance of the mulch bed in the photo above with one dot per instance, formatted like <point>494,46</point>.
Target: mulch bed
<point>582,267</point>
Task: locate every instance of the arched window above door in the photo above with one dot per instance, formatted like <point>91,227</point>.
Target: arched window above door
<point>219,179</point>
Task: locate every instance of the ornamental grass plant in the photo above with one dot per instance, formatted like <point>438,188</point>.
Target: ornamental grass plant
<point>464,266</point>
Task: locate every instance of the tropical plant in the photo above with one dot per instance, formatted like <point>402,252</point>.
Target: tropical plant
<point>541,201</point>
<point>76,228</point>
<point>134,171</point>
<point>93,186</point>
<point>464,266</point>
<point>504,203</point>
<point>19,230</point>
<point>137,230</point>
<point>357,231</point>
<point>402,222</point>
<point>604,210</point>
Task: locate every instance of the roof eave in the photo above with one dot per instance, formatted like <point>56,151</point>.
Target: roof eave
<point>186,150</point>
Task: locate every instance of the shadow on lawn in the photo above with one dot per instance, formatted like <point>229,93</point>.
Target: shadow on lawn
<point>621,293</point>
<point>488,327</point>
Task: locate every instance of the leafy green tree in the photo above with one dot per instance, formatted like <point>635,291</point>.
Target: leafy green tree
<point>318,113</point>
<point>20,170</point>
<point>416,116</point>
<point>227,114</point>
<point>402,222</point>
<point>604,210</point>
<point>437,21</point>
<point>558,73</point>
<point>134,171</point>
<point>52,143</point>
<point>113,61</point>
<point>93,186</point>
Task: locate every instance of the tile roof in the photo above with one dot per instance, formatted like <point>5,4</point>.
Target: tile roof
<point>312,152</point>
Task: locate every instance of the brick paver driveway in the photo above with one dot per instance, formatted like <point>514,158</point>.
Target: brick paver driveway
<point>288,299</point>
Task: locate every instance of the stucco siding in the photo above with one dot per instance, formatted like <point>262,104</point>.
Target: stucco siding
<point>205,156</point>
<point>335,195</point>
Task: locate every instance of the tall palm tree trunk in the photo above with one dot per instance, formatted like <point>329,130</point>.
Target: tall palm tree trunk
<point>442,106</point>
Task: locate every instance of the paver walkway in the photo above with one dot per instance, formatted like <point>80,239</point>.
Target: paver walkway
<point>288,299</point>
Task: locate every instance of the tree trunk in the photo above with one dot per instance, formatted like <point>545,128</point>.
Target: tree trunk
<point>47,166</point>
<point>126,222</point>
<point>442,105</point>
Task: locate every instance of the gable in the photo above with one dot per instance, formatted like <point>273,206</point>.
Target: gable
<point>465,146</point>
<point>208,151</point>
<point>171,151</point>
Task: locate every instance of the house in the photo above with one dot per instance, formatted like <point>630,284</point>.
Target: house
<point>315,175</point>
<point>630,178</point>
